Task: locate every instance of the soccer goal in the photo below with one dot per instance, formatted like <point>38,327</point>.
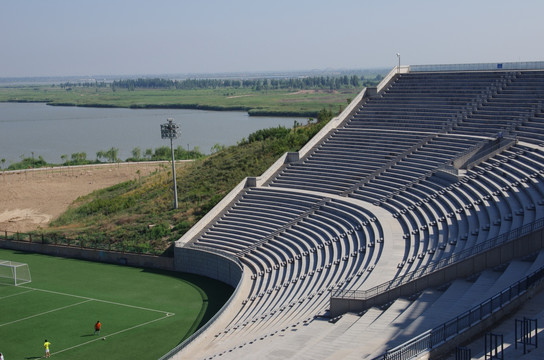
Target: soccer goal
<point>14,273</point>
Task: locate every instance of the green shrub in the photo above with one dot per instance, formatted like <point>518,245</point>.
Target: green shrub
<point>28,163</point>
<point>159,231</point>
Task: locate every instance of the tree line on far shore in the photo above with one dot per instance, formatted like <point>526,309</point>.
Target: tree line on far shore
<point>298,83</point>
<point>301,83</point>
<point>108,156</point>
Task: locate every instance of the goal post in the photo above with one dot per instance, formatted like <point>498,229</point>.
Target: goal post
<point>14,273</point>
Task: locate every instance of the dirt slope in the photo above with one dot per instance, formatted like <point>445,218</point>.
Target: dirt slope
<point>31,199</point>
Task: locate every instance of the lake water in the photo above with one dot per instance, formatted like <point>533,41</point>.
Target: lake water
<point>51,131</point>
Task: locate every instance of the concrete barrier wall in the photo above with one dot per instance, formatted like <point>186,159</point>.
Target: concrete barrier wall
<point>214,212</point>
<point>502,145</point>
<point>333,124</point>
<point>517,248</point>
<point>404,69</point>
<point>215,266</point>
<point>269,173</point>
<point>111,257</point>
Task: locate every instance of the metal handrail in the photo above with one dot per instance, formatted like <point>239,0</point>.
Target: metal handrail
<point>438,265</point>
<point>461,323</point>
<point>54,239</point>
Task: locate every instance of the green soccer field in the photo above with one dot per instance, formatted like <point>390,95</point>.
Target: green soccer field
<point>144,313</point>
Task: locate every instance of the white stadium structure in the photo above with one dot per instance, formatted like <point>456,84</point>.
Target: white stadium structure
<point>409,227</point>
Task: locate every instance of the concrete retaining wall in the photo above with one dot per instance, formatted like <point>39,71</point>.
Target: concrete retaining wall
<point>111,257</point>
<point>215,266</point>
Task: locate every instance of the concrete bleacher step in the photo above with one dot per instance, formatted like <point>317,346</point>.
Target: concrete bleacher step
<point>321,340</point>
<point>324,342</point>
<point>459,297</point>
<point>396,334</point>
<point>513,272</point>
<point>363,337</point>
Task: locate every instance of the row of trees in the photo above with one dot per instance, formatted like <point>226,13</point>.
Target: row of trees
<point>80,158</point>
<point>111,156</point>
<point>300,83</point>
<point>92,84</point>
<point>164,153</point>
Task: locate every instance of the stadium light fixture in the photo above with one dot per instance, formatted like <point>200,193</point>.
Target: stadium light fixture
<point>170,130</point>
<point>398,68</point>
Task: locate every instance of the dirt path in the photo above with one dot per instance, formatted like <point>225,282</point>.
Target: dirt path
<point>31,199</point>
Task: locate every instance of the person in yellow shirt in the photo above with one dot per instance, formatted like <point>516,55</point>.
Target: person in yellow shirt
<point>46,345</point>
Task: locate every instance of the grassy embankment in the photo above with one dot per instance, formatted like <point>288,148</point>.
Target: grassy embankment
<point>285,102</point>
<point>138,215</point>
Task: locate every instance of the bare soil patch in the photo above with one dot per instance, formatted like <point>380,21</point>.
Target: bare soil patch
<point>31,199</point>
<point>314,92</point>
<point>238,96</point>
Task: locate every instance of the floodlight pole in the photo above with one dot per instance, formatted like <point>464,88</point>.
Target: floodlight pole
<point>169,130</point>
<point>174,174</point>
<point>398,68</point>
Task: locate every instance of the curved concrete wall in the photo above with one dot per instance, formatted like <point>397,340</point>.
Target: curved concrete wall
<point>213,265</point>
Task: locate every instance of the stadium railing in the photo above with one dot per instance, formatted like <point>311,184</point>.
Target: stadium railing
<point>446,331</point>
<point>78,242</point>
<point>435,266</point>
<point>530,65</point>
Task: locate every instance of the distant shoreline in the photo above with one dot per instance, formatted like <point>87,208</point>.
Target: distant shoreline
<point>300,100</point>
<point>250,111</point>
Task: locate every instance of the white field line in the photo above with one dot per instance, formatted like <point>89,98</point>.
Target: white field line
<point>112,334</point>
<point>99,300</point>
<point>21,293</point>
<point>87,299</point>
<point>45,312</point>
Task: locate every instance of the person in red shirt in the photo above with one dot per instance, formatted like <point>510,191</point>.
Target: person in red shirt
<point>97,327</point>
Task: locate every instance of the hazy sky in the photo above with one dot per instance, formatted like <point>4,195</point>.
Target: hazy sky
<point>116,37</point>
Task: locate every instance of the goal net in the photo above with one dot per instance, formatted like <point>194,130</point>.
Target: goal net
<point>14,273</point>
